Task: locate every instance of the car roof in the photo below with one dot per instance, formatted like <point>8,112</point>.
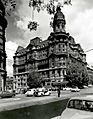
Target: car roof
<point>83,97</point>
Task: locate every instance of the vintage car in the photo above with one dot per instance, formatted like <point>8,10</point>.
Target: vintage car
<point>30,92</point>
<point>75,89</point>
<point>80,107</point>
<point>67,88</point>
<point>40,92</point>
<point>7,94</point>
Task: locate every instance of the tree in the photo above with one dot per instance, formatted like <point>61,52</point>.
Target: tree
<point>34,79</point>
<point>50,7</point>
<point>77,75</point>
<point>37,5</point>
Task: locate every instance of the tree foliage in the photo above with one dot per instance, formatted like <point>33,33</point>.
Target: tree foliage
<point>77,75</point>
<point>50,7</point>
<point>34,79</point>
<point>37,5</point>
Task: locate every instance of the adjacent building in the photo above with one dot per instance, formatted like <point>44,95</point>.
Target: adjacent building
<point>50,57</point>
<point>9,83</point>
<point>3,25</point>
<point>90,74</point>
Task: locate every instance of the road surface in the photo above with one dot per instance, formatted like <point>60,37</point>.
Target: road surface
<point>21,100</point>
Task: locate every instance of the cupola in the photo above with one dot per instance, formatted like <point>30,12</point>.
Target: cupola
<point>59,21</point>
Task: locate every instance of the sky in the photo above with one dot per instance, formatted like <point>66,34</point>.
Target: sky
<point>79,23</point>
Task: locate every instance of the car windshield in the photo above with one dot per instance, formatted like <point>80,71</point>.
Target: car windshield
<point>81,105</point>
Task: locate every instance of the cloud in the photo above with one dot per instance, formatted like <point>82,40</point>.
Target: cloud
<point>22,23</point>
<point>82,29</point>
<point>10,50</point>
<point>89,57</point>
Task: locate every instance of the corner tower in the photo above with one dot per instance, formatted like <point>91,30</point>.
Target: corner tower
<point>59,21</point>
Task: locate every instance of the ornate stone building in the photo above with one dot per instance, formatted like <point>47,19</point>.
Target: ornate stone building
<point>3,25</point>
<point>50,57</point>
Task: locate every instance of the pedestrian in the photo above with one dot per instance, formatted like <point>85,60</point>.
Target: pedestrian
<point>58,91</point>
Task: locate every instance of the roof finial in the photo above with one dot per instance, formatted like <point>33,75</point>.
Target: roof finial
<point>58,8</point>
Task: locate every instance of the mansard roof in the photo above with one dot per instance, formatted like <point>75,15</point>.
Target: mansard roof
<point>77,47</point>
<point>44,43</point>
<point>71,39</point>
<point>20,50</point>
<point>35,41</point>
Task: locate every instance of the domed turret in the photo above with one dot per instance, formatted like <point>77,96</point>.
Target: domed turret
<point>59,21</point>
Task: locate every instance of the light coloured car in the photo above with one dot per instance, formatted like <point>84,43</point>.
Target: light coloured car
<point>90,85</point>
<point>30,92</point>
<point>44,92</point>
<point>47,93</point>
<point>80,107</point>
<point>67,88</point>
<point>85,86</point>
<point>76,89</point>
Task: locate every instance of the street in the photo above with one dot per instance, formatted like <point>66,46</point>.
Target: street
<point>21,100</point>
<point>46,107</point>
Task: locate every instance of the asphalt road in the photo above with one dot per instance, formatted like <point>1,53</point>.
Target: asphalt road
<point>21,100</point>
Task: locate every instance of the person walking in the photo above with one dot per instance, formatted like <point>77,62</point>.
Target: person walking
<point>58,91</point>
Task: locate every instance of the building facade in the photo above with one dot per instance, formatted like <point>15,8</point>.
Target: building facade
<point>50,57</point>
<point>90,74</point>
<point>9,83</point>
<point>3,25</point>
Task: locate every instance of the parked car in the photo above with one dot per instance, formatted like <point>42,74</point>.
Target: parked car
<point>44,92</point>
<point>85,86</point>
<point>39,93</point>
<point>90,85</point>
<point>67,88</point>
<point>47,93</point>
<point>30,92</point>
<point>7,94</point>
<point>75,89</point>
<point>80,107</point>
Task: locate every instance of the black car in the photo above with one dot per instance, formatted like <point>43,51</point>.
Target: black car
<point>7,94</point>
